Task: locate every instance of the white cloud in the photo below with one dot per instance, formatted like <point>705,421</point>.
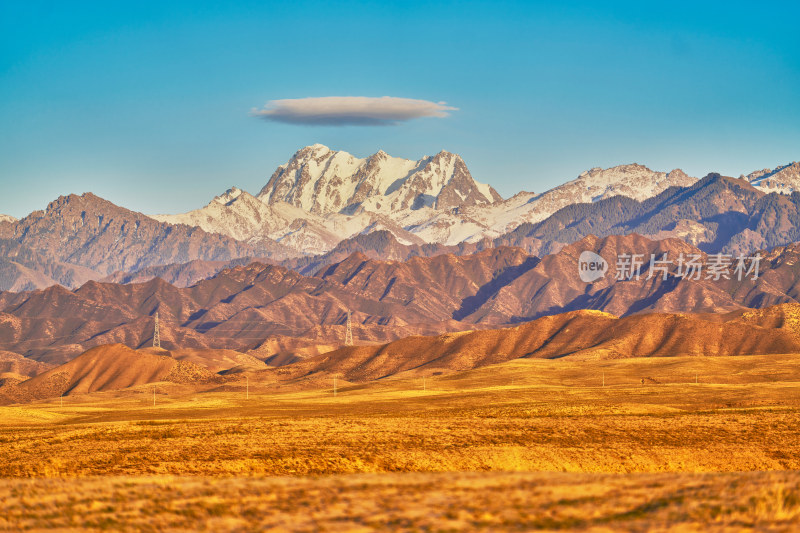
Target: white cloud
<point>350,110</point>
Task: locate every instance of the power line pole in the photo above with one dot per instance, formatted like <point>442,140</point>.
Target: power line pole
<point>348,334</point>
<point>156,335</point>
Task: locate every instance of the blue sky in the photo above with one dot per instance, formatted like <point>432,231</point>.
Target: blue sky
<point>150,106</point>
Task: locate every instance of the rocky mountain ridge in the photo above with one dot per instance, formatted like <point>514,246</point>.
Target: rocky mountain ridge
<point>322,181</point>
<point>716,214</point>
<point>244,307</point>
<point>321,197</point>
<point>784,179</point>
<point>78,238</point>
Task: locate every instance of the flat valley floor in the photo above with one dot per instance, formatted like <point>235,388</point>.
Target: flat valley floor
<point>657,444</point>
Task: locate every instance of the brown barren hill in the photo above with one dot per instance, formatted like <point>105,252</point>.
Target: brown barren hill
<point>17,364</point>
<point>218,360</point>
<point>282,350</point>
<point>103,368</point>
<point>243,307</point>
<point>11,378</point>
<point>577,334</point>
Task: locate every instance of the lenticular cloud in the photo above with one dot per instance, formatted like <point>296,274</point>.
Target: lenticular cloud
<point>350,110</point>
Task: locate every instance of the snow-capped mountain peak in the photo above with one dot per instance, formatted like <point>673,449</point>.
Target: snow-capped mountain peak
<point>322,196</point>
<point>632,180</point>
<point>324,181</point>
<point>228,196</point>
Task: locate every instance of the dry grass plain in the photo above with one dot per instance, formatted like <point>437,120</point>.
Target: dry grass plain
<point>528,444</point>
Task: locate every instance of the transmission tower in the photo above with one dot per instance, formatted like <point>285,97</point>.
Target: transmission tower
<point>156,336</point>
<point>348,333</point>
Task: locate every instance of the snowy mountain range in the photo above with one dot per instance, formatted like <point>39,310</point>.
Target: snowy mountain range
<point>321,196</point>
<point>784,180</point>
<point>324,205</point>
<point>324,181</point>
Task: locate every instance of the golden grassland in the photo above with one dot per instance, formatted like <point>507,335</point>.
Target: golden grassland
<point>527,444</point>
<point>454,501</point>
